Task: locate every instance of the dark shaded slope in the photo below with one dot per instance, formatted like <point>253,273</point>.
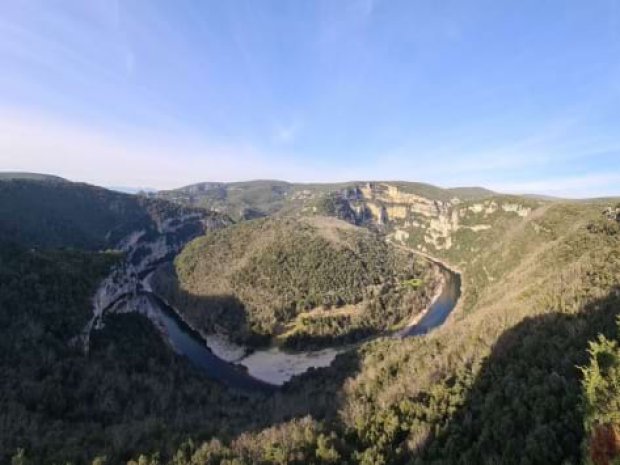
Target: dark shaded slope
<point>12,175</point>
<point>44,214</point>
<point>130,392</point>
<point>525,405</point>
<point>307,283</point>
<point>65,214</point>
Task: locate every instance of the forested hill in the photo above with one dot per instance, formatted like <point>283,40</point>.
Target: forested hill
<point>252,199</point>
<point>518,375</point>
<point>131,390</point>
<point>500,383</point>
<point>14,175</point>
<point>47,212</point>
<point>305,282</point>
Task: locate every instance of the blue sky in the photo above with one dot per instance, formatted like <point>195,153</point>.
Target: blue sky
<point>519,96</point>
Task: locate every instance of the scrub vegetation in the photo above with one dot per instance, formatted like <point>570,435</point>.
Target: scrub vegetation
<point>525,371</point>
<point>305,283</point>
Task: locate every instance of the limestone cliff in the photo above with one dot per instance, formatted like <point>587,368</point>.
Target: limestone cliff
<point>427,224</point>
<point>421,215</point>
<point>143,251</point>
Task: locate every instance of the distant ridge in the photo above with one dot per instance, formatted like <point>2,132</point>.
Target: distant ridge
<point>431,190</point>
<point>51,212</point>
<point>471,192</point>
<point>252,199</point>
<point>10,175</point>
<point>132,190</point>
<point>548,198</point>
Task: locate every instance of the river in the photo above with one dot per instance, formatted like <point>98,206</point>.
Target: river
<point>441,307</point>
<point>266,369</point>
<point>191,344</point>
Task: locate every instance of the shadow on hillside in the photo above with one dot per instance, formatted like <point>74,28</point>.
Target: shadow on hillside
<point>227,314</point>
<point>316,392</point>
<point>524,407</point>
<point>171,399</point>
<point>208,314</point>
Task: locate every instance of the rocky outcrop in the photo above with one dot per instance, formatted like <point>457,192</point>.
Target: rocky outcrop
<point>143,251</point>
<point>398,204</point>
<point>411,217</point>
<point>490,207</point>
<point>426,216</point>
<point>613,213</point>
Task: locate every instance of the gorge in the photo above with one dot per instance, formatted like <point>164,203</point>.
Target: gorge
<point>535,285</point>
<point>129,289</point>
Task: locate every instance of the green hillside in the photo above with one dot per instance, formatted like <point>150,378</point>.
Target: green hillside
<point>131,391</point>
<point>252,199</point>
<point>41,213</point>
<point>523,372</point>
<point>243,200</point>
<point>306,282</point>
<point>14,175</point>
<point>500,383</point>
<point>601,401</point>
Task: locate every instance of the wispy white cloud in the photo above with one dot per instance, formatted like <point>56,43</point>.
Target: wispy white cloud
<point>54,38</point>
<point>345,21</point>
<point>43,143</point>
<point>467,157</point>
<point>130,62</point>
<point>577,186</point>
<point>33,141</point>
<point>367,7</point>
<point>286,133</point>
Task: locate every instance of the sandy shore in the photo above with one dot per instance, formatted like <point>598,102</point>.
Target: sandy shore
<point>415,319</point>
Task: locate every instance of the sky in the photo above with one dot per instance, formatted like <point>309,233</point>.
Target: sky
<point>517,96</point>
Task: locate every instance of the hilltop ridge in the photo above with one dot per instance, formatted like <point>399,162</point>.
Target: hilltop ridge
<point>304,282</point>
<point>250,199</point>
<point>496,383</point>
<point>11,175</point>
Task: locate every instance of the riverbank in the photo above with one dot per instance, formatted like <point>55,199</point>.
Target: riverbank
<point>415,319</point>
<point>276,366</point>
<point>271,365</point>
<point>269,368</point>
<point>444,265</point>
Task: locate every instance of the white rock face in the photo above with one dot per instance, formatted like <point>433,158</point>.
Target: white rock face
<point>401,235</point>
<point>385,205</point>
<point>476,208</point>
<point>143,251</point>
<point>477,227</point>
<point>516,208</point>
